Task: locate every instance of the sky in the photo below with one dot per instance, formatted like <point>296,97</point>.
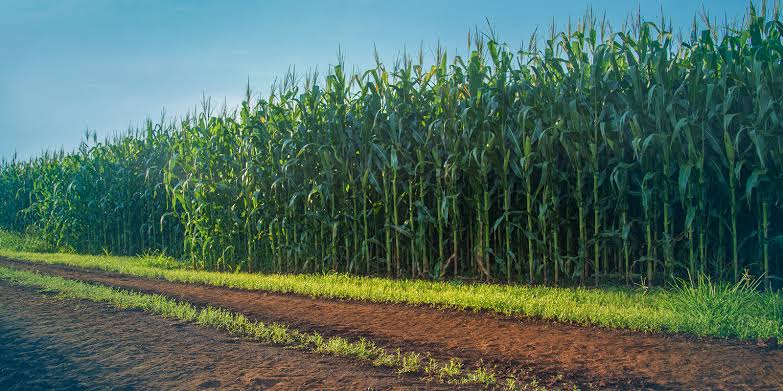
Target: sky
<point>71,65</point>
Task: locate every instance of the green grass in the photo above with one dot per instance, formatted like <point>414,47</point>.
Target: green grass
<point>238,324</point>
<point>15,242</point>
<point>702,309</point>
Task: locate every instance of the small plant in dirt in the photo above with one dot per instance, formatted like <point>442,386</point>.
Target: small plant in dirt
<point>335,345</point>
<point>388,359</point>
<point>411,362</point>
<point>361,349</point>
<point>481,375</point>
<point>431,368</point>
<point>450,370</point>
<point>365,349</point>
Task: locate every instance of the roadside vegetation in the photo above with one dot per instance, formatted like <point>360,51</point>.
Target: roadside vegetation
<point>12,241</point>
<point>593,153</point>
<point>701,307</point>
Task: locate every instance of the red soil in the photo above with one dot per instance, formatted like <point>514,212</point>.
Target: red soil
<point>559,354</point>
<point>51,344</point>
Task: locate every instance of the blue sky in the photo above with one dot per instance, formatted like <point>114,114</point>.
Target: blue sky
<point>69,65</point>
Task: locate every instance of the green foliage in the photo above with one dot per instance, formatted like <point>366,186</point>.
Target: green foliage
<point>480,375</point>
<point>362,349</point>
<point>450,370</point>
<point>591,154</point>
<point>105,197</point>
<point>411,362</point>
<point>750,314</point>
<point>16,242</point>
<point>724,309</point>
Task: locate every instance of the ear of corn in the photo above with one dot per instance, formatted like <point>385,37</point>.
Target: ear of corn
<point>600,154</point>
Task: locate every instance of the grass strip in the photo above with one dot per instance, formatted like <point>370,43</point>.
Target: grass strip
<point>705,310</point>
<point>237,324</point>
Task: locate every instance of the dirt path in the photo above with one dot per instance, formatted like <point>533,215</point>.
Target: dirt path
<point>592,357</point>
<point>53,344</point>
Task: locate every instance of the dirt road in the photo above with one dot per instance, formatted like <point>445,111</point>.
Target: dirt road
<point>54,344</point>
<point>593,358</point>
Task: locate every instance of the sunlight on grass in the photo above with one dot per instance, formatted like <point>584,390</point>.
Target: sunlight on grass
<point>15,242</point>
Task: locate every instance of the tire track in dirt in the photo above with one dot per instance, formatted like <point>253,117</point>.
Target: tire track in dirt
<point>589,356</point>
<point>54,344</point>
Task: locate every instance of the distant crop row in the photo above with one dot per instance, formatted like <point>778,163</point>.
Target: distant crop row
<point>593,154</point>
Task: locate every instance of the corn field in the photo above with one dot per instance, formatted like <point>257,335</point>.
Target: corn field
<point>105,197</point>
<point>591,154</point>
